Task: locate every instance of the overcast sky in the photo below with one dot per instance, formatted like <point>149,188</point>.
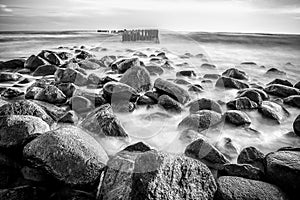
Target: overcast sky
<point>271,16</point>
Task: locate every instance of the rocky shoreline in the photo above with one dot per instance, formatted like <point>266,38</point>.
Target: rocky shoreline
<point>50,122</point>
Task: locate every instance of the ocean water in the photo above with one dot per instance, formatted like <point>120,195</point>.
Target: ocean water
<point>225,50</point>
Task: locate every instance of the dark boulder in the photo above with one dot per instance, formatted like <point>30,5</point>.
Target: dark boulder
<point>82,55</point>
<point>196,88</point>
<point>252,95</point>
<point>281,82</point>
<point>51,57</point>
<point>69,154</point>
<point>10,93</point>
<point>25,192</point>
<point>262,93</point>
<point>172,90</point>
<point>235,73</point>
<point>293,100</point>
<point>237,117</point>
<point>55,112</point>
<point>187,73</point>
<point>115,91</point>
<point>89,65</point>
<point>251,156</point>
<point>208,66</point>
<point>281,90</point>
<point>169,104</point>
<point>204,104</point>
<point>297,85</point>
<point>69,75</point>
<point>145,100</point>
<point>69,117</point>
<point>13,64</point>
<point>33,62</point>
<point>51,94</point>
<point>242,103</point>
<point>242,170</point>
<point>296,125</point>
<point>138,78</point>
<point>181,81</point>
<point>45,70</point>
<point>211,76</point>
<point>273,111</point>
<point>227,82</point>
<point>121,66</point>
<point>275,72</point>
<point>67,88</point>
<point>8,76</point>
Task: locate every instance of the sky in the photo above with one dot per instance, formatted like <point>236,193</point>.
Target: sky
<point>260,16</point>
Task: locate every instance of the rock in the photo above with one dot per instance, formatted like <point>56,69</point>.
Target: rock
<point>297,85</point>
<point>33,62</point>
<point>296,125</point>
<point>94,79</point>
<point>204,104</point>
<point>293,100</point>
<point>167,65</point>
<point>138,78</point>
<point>248,63</point>
<point>281,82</point>
<point>200,121</point>
<point>187,73</point>
<point>235,73</point>
<point>153,95</point>
<point>2,102</point>
<point>55,112</point>
<point>181,81</point>
<point>242,103</point>
<point>283,169</point>
<point>122,106</point>
<point>51,94</point>
<point>227,147</point>
<point>45,70</point>
<point>108,60</point>
<point>274,71</point>
<point>169,104</point>
<point>32,91</point>
<point>69,154</point>
<point>251,156</point>
<point>8,76</point>
<point>83,55</point>
<point>262,93</point>
<point>67,88</point>
<point>69,75</point>
<point>281,90</point>
<point>242,170</point>
<point>208,66</point>
<point>25,107</point>
<point>115,91</point>
<point>95,98</point>
<point>196,88</point>
<point>51,57</point>
<point>13,64</point>
<point>10,93</point>
<point>172,90</point>
<point>273,111</point>
<point>9,171</point>
<point>252,95</point>
<point>156,175</point>
<point>16,130</point>
<point>64,55</point>
<point>87,64</point>
<point>211,76</point>
<point>154,70</point>
<point>237,188</point>
<point>145,100</point>
<point>103,122</point>
<point>69,117</point>
<point>121,66</point>
<point>81,104</point>
<point>25,192</point>
<point>237,117</point>
<point>227,82</point>
<point>206,153</point>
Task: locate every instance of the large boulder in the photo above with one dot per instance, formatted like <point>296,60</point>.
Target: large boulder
<point>138,78</point>
<point>237,117</point>
<point>281,90</point>
<point>241,103</point>
<point>296,125</point>
<point>69,75</point>
<point>89,65</point>
<point>172,90</point>
<point>237,188</point>
<point>121,66</point>
<point>200,121</point>
<point>55,112</point>
<point>202,150</point>
<point>252,95</point>
<point>25,107</point>
<point>10,93</point>
<point>242,170</point>
<point>227,82</point>
<point>51,57</point>
<point>186,73</point>
<point>169,104</point>
<point>115,91</point>
<point>8,76</point>
<point>33,62</point>
<point>51,94</point>
<point>16,130</point>
<point>103,122</point>
<point>13,64</point>
<point>283,169</point>
<point>273,111</point>
<point>293,100</point>
<point>252,156</point>
<point>235,73</point>
<point>204,104</point>
<point>155,175</point>
<point>297,85</point>
<point>262,93</point>
<point>69,154</point>
<point>45,70</point>
<point>281,82</point>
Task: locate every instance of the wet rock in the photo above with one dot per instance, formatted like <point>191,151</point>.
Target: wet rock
<point>69,75</point>
<point>227,147</point>
<point>274,71</point>
<point>83,55</point>
<point>227,82</point>
<point>187,73</point>
<point>252,95</point>
<point>64,55</point>
<point>145,100</point>
<point>283,169</point>
<point>154,70</point>
<point>273,111</point>
<point>25,192</point>
<point>9,171</point>
<point>87,64</point>
<point>51,94</point>
<point>121,66</point>
<point>153,95</point>
<point>138,78</point>
<point>181,81</point>
<point>281,82</point>
<point>8,76</point>
<point>237,117</point>
<point>45,70</point>
<point>242,170</point>
<point>51,57</point>
<point>108,60</point>
<point>208,66</point>
<point>296,125</point>
<point>156,175</point>
<point>169,104</point>
<point>122,106</point>
<point>15,130</point>
<point>211,76</point>
<point>103,122</point>
<point>70,117</point>
<point>252,156</point>
<point>32,91</point>
<point>67,148</point>
<point>196,88</point>
<point>297,85</point>
<point>138,147</point>
<point>242,103</point>
<point>237,188</point>
<point>33,62</point>
<point>262,93</point>
<point>115,91</point>
<point>204,104</point>
<point>55,112</point>
<point>281,90</point>
<point>94,79</point>
<point>10,93</point>
<point>200,121</point>
<point>206,153</point>
<point>12,64</point>
<point>67,88</point>
<point>81,104</point>
<point>172,90</point>
<point>25,107</point>
<point>235,73</point>
<point>95,98</point>
<point>248,63</point>
<point>293,100</point>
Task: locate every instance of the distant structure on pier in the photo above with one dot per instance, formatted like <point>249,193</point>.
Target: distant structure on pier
<point>140,35</point>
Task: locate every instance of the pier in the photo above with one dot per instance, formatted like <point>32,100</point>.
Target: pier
<point>140,35</point>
